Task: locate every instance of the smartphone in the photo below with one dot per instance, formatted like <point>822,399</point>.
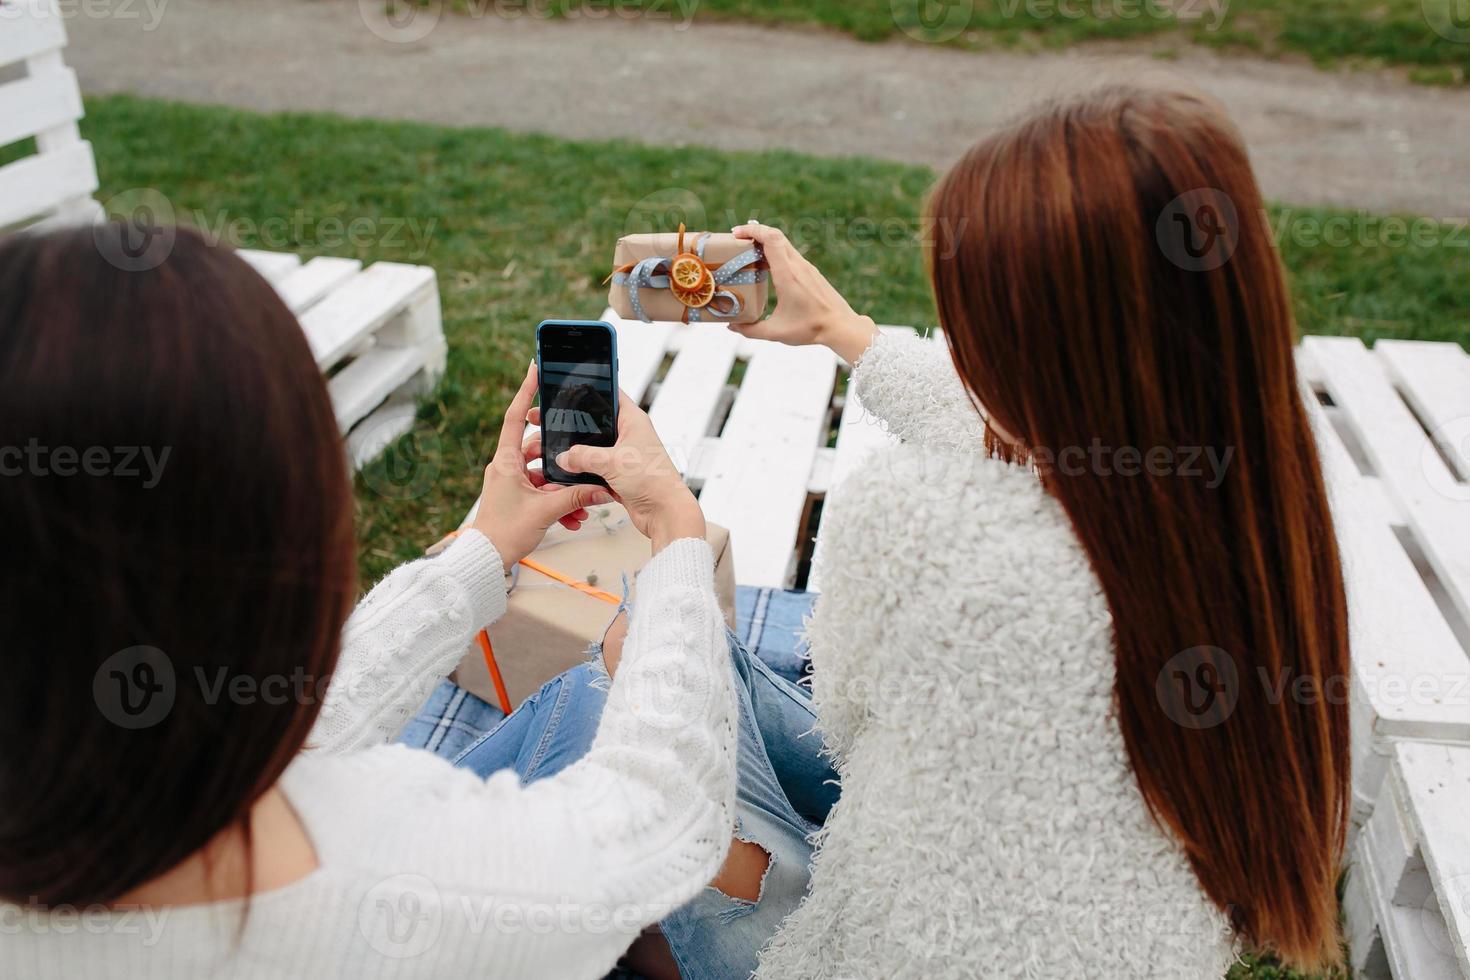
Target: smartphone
<point>577,363</point>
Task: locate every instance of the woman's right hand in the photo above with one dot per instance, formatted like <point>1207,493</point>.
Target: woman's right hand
<point>641,476</point>
<point>808,309</point>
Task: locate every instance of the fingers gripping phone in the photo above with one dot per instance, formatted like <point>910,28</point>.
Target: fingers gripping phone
<point>577,364</point>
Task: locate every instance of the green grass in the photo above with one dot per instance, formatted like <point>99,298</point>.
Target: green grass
<point>1329,32</point>
<point>520,228</point>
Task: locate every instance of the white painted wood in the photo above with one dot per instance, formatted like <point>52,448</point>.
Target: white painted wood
<point>1434,781</point>
<point>641,349</point>
<point>38,104</point>
<point>302,288</point>
<point>273,267</point>
<point>1403,456</point>
<point>29,28</point>
<point>376,432</point>
<point>362,306</point>
<point>1408,668</point>
<point>691,393</point>
<point>1435,379</point>
<point>368,380</point>
<point>758,483</point>
<point>34,186</point>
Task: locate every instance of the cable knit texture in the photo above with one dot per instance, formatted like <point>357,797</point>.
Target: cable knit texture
<point>963,672</point>
<point>426,871</point>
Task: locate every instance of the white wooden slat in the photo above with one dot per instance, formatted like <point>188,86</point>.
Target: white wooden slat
<point>1398,636</point>
<point>641,348</point>
<point>376,432</point>
<point>1435,379</point>
<point>272,266</point>
<point>304,287</point>
<point>367,301</point>
<point>692,391</point>
<point>35,185</point>
<point>757,485</point>
<point>1403,456</point>
<point>1412,936</point>
<point>28,28</point>
<point>363,384</point>
<point>42,102</point>
<point>1435,781</point>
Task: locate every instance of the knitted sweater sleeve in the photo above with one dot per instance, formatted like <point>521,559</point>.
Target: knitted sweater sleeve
<point>910,384</point>
<point>637,826</point>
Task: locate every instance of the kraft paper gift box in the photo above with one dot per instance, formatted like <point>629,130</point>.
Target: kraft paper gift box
<point>548,624</point>
<point>691,276</point>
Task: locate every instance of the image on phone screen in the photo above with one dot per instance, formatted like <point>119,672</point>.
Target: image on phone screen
<point>578,392</point>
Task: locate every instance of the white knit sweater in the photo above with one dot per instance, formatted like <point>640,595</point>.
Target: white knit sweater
<point>963,672</point>
<point>430,872</point>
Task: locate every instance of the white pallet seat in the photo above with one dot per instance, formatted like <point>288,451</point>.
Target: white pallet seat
<point>58,180</point>
<point>377,332</point>
<point>1411,671</point>
<point>1407,901</point>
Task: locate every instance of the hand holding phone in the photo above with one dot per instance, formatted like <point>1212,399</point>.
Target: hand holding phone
<point>577,363</point>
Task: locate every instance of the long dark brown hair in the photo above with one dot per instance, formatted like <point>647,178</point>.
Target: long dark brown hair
<point>175,515</point>
<point>1105,275</point>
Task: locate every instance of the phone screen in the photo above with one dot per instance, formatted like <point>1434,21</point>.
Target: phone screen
<point>579,393</point>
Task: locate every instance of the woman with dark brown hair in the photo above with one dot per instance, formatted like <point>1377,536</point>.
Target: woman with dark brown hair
<point>195,783</point>
<point>1038,658</point>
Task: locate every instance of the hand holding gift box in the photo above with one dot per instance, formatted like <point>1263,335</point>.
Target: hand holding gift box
<point>689,276</point>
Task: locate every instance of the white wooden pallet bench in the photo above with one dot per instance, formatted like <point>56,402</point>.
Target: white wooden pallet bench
<point>375,332</point>
<point>1394,429</point>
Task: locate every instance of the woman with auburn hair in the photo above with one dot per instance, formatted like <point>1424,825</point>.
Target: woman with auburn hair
<point>1038,655</point>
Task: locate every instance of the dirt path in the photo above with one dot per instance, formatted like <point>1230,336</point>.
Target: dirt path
<point>1353,140</point>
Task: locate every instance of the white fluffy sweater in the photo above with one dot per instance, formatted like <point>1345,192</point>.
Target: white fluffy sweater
<point>431,873</point>
<point>963,672</point>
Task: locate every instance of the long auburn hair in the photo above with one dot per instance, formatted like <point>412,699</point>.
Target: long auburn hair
<point>184,523</point>
<point>1079,308</point>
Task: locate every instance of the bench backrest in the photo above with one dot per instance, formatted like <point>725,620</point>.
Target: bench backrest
<point>55,183</point>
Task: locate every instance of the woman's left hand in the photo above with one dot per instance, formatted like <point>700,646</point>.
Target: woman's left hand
<point>517,505</point>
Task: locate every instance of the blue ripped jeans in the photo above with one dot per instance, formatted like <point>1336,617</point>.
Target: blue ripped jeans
<point>786,788</point>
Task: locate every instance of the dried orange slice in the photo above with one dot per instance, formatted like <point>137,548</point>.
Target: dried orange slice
<point>690,281</point>
<point>687,272</point>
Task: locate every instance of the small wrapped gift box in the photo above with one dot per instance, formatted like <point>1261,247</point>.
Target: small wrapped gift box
<point>691,276</point>
<point>565,596</point>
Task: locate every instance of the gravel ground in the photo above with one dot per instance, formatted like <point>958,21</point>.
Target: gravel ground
<point>1357,140</point>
